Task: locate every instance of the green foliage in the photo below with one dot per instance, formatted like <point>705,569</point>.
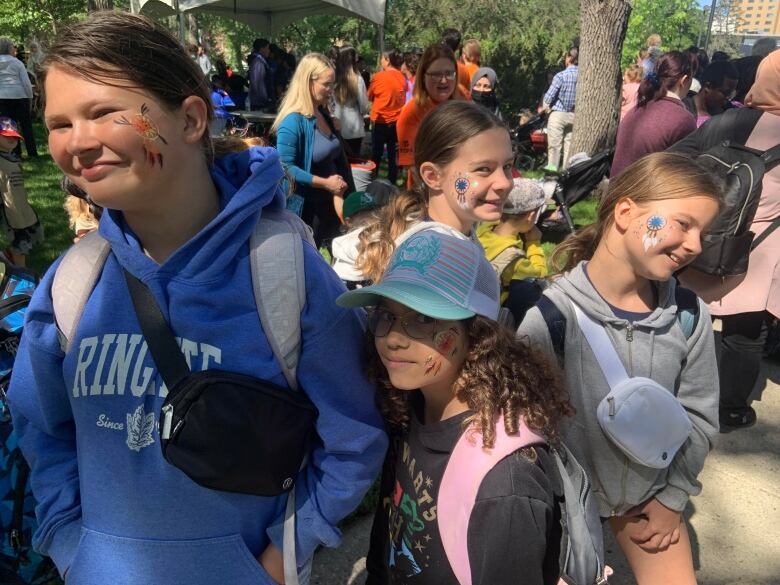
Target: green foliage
<point>520,39</point>
<point>22,19</point>
<point>677,21</point>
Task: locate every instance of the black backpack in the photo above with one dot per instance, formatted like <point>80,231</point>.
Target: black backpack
<point>726,247</point>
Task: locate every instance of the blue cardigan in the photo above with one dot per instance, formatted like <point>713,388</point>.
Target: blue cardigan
<point>295,143</point>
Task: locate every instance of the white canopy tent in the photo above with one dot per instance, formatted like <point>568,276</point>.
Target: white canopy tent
<point>268,16</point>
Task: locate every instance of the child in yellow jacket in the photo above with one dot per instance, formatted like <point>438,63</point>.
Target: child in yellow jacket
<point>513,244</point>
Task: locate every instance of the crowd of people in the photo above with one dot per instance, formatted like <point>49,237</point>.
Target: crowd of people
<point>440,317</point>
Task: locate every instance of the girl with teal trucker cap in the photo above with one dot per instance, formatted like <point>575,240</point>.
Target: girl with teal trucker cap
<point>444,367</point>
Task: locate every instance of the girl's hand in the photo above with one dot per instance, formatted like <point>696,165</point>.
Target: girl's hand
<point>273,562</point>
<point>657,528</point>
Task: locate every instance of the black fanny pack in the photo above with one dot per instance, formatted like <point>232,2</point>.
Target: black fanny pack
<point>226,431</point>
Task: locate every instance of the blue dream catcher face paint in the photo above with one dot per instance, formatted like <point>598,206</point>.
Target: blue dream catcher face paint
<point>654,224</point>
<point>463,186</point>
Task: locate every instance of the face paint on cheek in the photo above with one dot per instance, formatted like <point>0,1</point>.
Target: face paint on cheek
<point>655,223</point>
<point>446,341</point>
<point>432,365</point>
<point>147,130</point>
<point>464,187</point>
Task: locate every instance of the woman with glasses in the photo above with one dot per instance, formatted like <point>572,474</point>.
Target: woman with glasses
<point>718,87</point>
<point>310,148</point>
<point>437,82</point>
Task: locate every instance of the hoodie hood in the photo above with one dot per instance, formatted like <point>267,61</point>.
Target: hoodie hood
<point>247,182</point>
<point>576,285</point>
<point>345,253</point>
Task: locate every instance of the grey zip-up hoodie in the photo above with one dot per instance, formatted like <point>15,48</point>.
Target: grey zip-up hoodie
<point>654,347</point>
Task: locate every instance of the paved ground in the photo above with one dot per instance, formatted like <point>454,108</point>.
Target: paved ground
<point>735,522</point>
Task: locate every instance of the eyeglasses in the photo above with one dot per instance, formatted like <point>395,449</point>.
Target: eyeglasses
<point>445,75</point>
<point>415,325</point>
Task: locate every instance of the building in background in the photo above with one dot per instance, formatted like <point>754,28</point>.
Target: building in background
<point>757,16</point>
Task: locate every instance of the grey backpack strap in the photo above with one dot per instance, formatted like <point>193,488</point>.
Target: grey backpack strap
<point>74,281</point>
<point>278,280</point>
<point>276,258</point>
<point>504,259</point>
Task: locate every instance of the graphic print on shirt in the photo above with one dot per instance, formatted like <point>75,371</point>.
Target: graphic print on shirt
<point>411,517</point>
<point>119,366</point>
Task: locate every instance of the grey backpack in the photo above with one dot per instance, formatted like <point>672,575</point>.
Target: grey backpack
<point>278,281</point>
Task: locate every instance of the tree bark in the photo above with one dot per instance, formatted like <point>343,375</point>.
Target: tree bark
<point>95,5</point>
<point>597,108</point>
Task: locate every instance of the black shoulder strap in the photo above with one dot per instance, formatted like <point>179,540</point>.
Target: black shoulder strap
<point>771,157</point>
<point>766,233</point>
<point>556,323</point>
<point>743,120</point>
<point>162,344</point>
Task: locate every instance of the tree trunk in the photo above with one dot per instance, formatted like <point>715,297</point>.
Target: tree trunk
<point>597,108</point>
<point>95,5</point>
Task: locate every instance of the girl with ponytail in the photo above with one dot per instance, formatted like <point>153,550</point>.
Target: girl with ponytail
<point>462,175</point>
<point>660,118</point>
<point>618,273</point>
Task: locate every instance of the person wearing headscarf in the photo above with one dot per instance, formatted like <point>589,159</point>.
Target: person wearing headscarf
<point>484,86</point>
<point>745,304</point>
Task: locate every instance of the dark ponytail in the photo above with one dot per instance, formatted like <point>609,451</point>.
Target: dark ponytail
<point>669,69</point>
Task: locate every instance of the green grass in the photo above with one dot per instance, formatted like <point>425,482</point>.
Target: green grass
<point>42,182</point>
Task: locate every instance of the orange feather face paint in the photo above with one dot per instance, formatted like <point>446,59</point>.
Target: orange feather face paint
<point>146,129</point>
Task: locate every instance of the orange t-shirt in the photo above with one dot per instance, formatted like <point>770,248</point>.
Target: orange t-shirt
<point>464,80</point>
<point>408,123</point>
<point>471,69</point>
<point>387,91</point>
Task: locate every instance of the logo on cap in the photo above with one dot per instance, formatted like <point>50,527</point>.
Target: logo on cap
<point>418,253</point>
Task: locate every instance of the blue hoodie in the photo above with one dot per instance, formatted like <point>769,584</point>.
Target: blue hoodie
<point>110,508</point>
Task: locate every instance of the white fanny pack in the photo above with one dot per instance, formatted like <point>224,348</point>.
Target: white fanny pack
<point>641,417</point>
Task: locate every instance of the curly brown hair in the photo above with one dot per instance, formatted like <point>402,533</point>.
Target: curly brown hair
<point>501,374</point>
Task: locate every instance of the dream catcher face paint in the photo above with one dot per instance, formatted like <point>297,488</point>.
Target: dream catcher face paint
<point>655,223</point>
<point>462,186</point>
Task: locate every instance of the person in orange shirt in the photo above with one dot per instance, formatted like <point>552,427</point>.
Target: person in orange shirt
<point>436,84</point>
<point>452,38</point>
<point>387,92</point>
<point>472,57</point>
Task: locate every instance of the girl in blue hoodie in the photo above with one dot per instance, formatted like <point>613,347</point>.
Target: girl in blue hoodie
<point>127,112</point>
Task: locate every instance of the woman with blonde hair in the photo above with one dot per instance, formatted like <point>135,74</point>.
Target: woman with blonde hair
<point>350,101</point>
<point>311,149</point>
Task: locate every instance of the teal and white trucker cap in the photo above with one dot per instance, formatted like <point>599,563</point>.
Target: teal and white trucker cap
<point>438,275</point>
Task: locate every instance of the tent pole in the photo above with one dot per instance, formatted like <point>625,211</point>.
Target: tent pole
<point>179,20</point>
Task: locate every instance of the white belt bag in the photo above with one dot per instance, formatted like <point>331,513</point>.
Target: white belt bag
<point>641,417</point>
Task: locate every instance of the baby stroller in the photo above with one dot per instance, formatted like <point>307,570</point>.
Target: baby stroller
<point>529,143</point>
<point>19,564</point>
<point>570,186</point>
